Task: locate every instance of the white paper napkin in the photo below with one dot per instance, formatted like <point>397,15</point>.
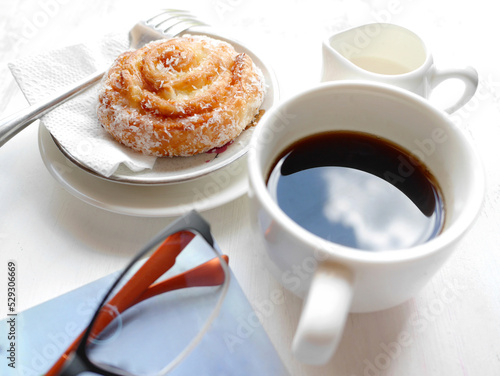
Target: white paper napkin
<point>74,124</point>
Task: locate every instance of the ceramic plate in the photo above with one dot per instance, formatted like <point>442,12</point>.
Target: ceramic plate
<point>182,169</point>
<point>207,192</point>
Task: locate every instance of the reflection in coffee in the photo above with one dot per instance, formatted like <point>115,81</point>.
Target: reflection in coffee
<point>357,190</point>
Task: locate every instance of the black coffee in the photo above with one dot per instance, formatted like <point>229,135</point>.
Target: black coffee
<point>357,190</point>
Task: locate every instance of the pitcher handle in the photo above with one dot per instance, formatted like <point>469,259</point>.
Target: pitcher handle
<point>467,75</point>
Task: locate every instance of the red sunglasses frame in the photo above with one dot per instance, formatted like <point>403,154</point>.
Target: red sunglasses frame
<point>142,285</point>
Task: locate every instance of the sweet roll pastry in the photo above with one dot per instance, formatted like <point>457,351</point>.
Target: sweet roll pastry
<point>180,96</point>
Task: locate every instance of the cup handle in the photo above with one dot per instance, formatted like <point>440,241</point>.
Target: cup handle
<point>323,314</point>
<point>467,75</point>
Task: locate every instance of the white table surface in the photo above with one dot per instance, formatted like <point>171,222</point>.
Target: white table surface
<point>59,242</point>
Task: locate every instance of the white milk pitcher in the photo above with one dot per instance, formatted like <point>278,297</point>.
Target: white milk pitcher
<point>393,55</point>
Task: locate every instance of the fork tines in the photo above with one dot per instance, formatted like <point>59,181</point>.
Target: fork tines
<point>173,21</point>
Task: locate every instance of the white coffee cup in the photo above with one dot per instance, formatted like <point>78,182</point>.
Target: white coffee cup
<point>390,54</point>
<point>336,279</point>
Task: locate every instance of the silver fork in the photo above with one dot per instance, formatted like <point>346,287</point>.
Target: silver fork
<point>169,23</point>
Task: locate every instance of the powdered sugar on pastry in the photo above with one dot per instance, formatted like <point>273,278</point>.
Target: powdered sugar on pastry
<point>180,96</point>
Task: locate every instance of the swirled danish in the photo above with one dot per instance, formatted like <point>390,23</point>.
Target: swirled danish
<point>180,96</point>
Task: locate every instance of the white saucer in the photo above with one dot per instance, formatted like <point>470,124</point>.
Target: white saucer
<point>204,193</point>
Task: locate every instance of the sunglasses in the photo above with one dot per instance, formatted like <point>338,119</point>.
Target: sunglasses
<point>137,329</point>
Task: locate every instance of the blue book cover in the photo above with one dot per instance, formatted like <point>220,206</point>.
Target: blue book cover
<point>235,344</point>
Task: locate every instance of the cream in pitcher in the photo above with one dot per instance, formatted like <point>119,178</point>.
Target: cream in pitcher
<point>390,54</point>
